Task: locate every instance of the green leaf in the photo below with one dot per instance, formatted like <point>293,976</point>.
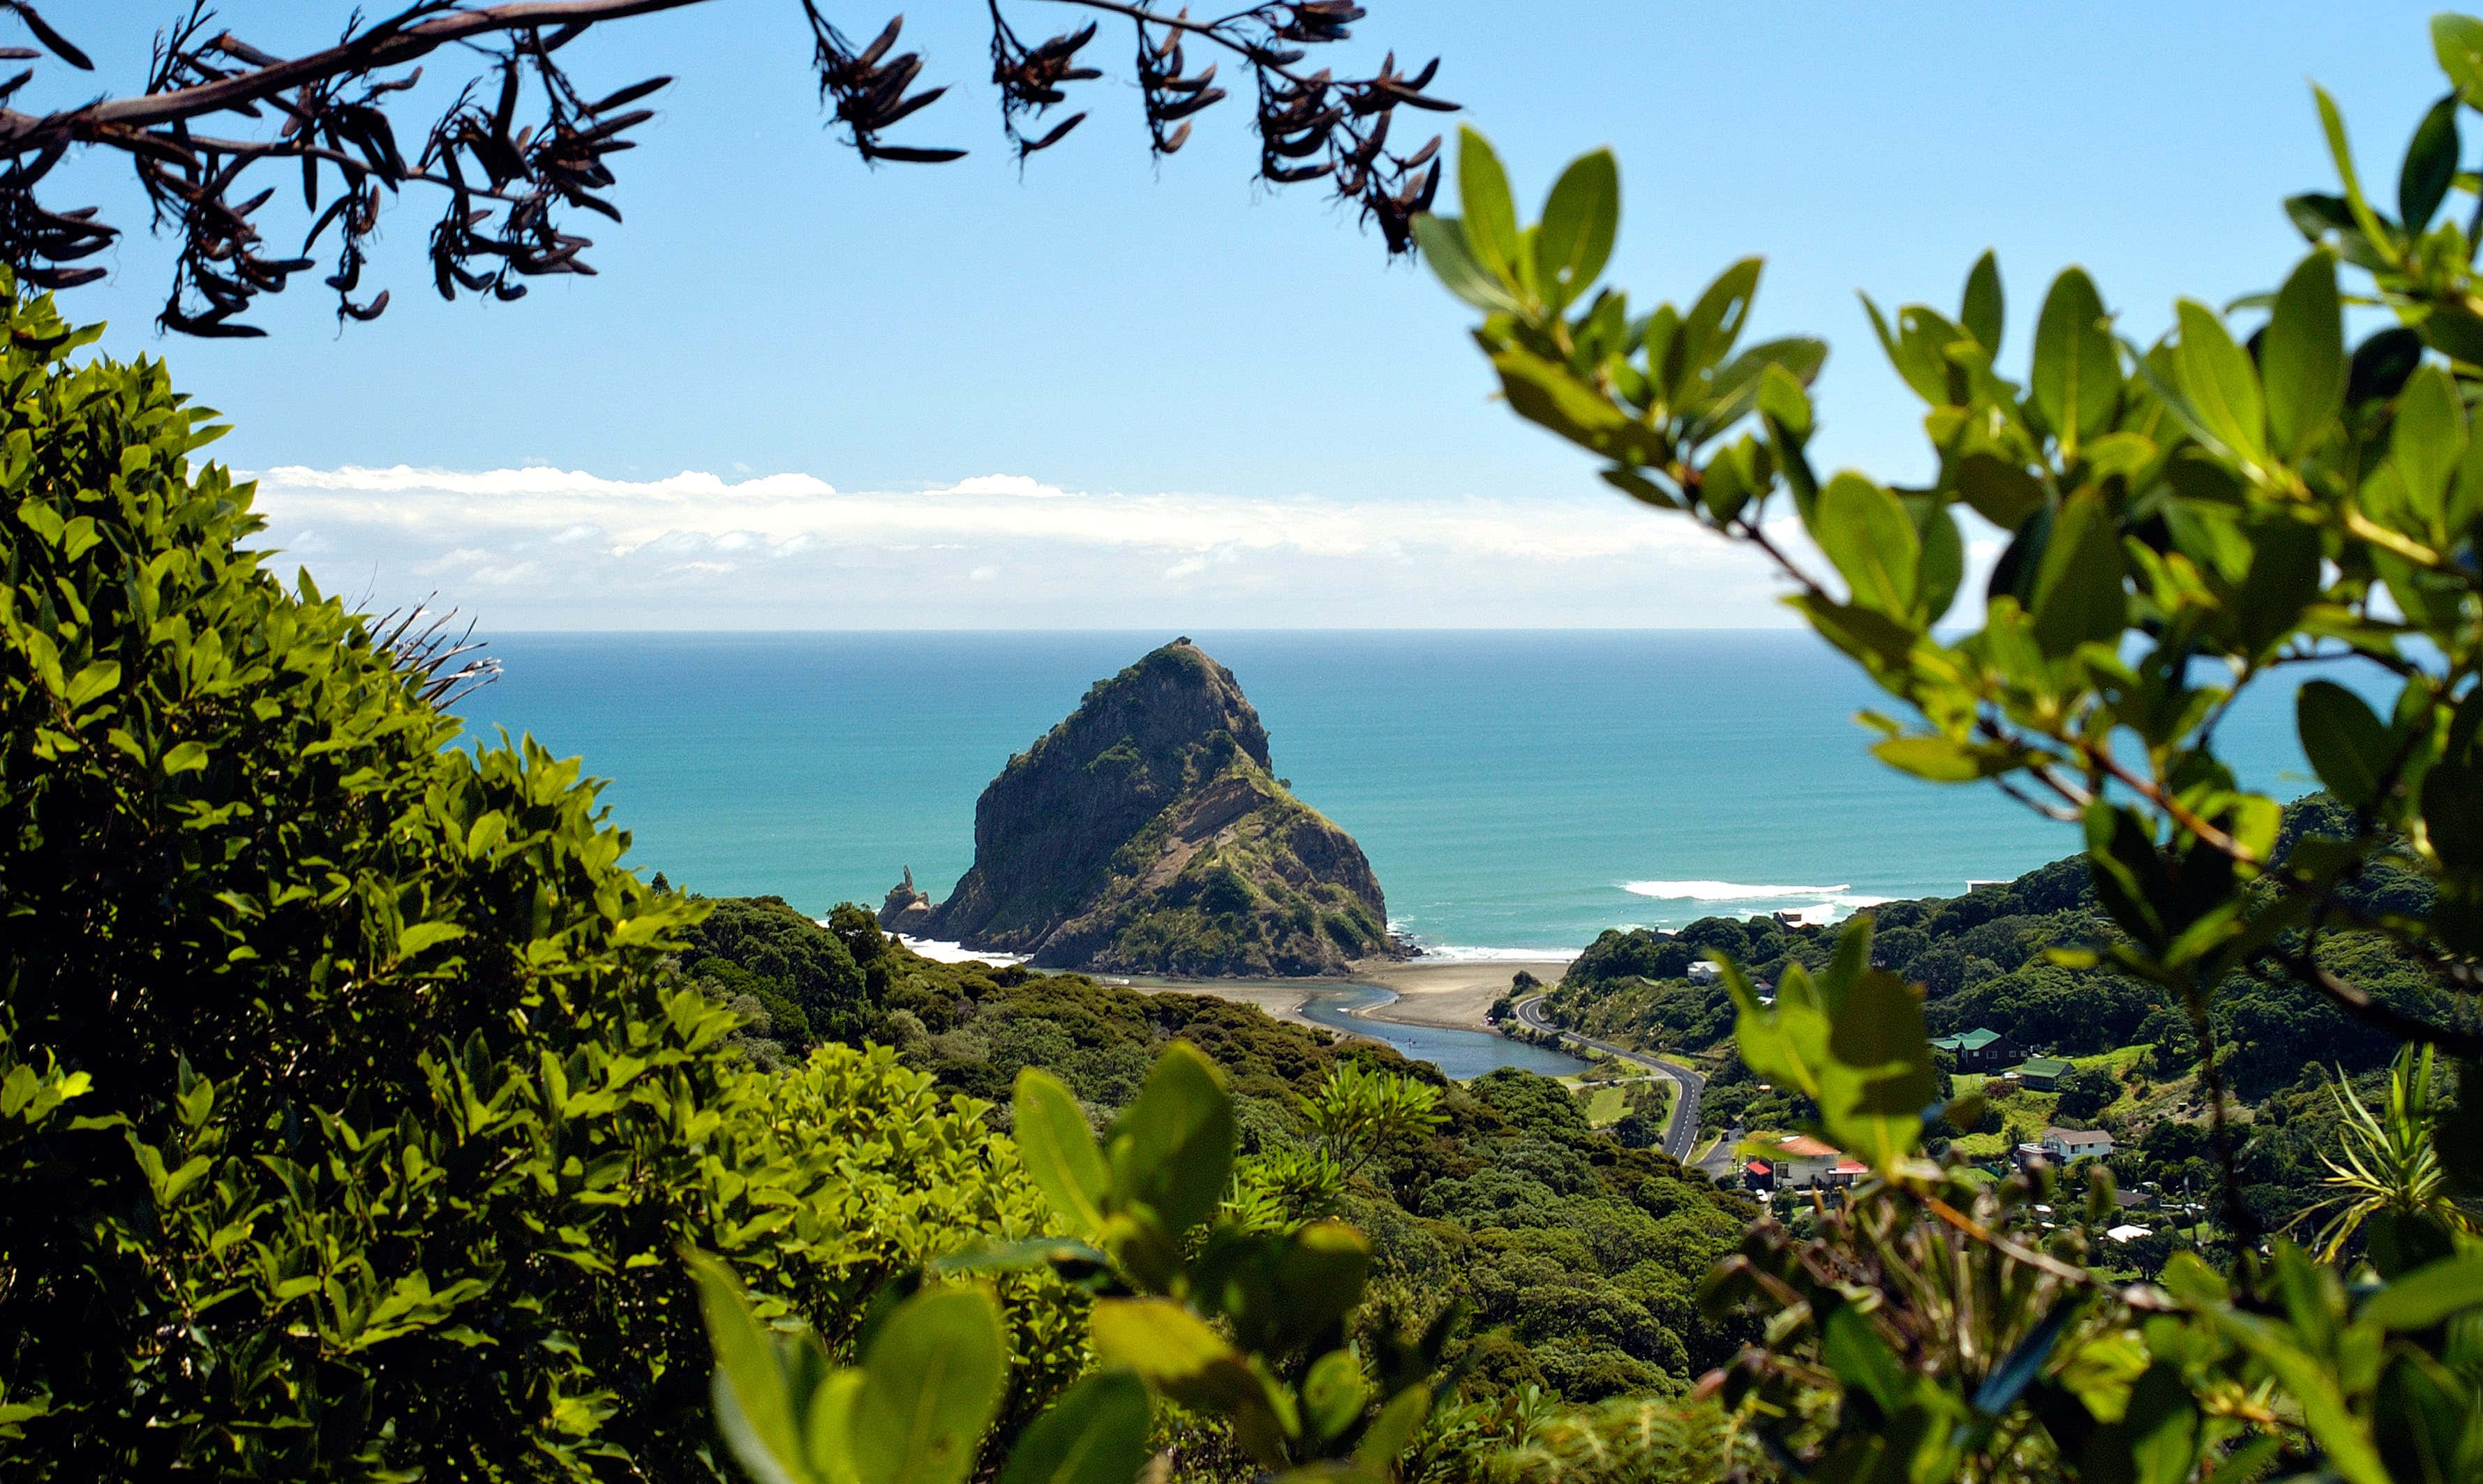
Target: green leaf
<point>2455,331</point>
<point>2076,381</point>
<point>2430,1295</point>
<point>2303,361</point>
<point>1943,761</point>
<point>1392,1432</point>
<point>1574,240</point>
<point>1095,1434</point>
<point>1490,211</point>
<point>2429,439</point>
<point>1941,568</point>
<point>2282,581</point>
<point>2332,123</point>
<point>2078,594</point>
<point>2218,382</point>
<point>1864,531</point>
<point>96,679</point>
<point>1998,490</point>
<point>932,1381</point>
<point>1981,312</point>
<point>1319,1277</point>
<point>1443,243</point>
<point>2347,745</point>
<point>1059,1149</point>
<point>1181,1357</point>
<point>2457,40</point>
<point>2332,1422</point>
<point>185,758</point>
<point>1333,1394</point>
<point>1172,1149</point>
<point>754,1409</point>
<point>1715,322</point>
<point>2430,166</point>
<point>1861,1358</point>
<point>424,935</point>
<point>2157,1436</point>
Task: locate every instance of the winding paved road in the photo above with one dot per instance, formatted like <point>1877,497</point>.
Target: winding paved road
<point>1683,1129</point>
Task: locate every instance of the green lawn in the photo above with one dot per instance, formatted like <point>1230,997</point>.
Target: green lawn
<point>2117,1060</point>
<point>1606,1107</point>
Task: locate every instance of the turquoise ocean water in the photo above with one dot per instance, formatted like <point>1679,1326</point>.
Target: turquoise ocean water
<point>1515,791</point>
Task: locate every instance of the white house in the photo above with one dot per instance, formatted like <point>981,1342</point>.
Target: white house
<point>2068,1144</point>
<point>1802,1161</point>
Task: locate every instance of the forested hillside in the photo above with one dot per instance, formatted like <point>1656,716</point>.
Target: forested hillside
<point>1986,960</point>
<point>1578,1256</point>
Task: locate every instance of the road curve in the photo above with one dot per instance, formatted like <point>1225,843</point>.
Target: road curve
<point>1683,1129</point>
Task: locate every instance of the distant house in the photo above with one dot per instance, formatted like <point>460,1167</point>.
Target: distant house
<point>1980,1050</point>
<point>1704,973</point>
<point>2129,1231</point>
<point>1800,1161</point>
<point>2068,1144</point>
<point>2041,1073</point>
<point>1758,1177</point>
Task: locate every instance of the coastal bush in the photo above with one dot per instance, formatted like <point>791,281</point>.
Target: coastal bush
<point>2186,520</point>
<point>350,1115</point>
<point>1455,1203</point>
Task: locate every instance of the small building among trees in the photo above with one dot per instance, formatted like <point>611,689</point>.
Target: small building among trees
<point>1980,1050</point>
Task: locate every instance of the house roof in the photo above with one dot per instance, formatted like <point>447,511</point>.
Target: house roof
<point>1803,1147</point>
<point>1974,1040</point>
<point>1759,1167</point>
<point>2129,1233</point>
<point>2078,1135</point>
<point>1851,1167</point>
<point>2042,1066</point>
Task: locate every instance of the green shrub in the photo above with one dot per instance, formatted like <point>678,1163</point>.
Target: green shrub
<point>349,1120</point>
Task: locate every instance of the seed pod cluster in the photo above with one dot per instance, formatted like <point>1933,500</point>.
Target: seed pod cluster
<point>326,119</point>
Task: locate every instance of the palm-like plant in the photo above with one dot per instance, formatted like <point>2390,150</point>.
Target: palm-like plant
<point>2389,1162</point>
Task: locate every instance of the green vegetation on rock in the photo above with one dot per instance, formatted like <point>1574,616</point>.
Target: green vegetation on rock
<point>1147,834</point>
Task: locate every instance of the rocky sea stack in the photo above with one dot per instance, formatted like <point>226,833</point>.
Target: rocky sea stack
<point>1146,834</point>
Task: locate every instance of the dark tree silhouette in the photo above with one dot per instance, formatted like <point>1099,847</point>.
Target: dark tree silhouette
<point>520,148</point>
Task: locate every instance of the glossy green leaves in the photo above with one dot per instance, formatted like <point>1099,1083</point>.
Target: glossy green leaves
<point>2076,381</point>
<point>1220,1317</point>
<point>2346,743</point>
<point>914,1412</point>
<point>1059,1151</point>
<point>2304,360</point>
<point>1853,1040</point>
<point>2219,386</point>
<point>1165,1160</point>
<point>1575,237</point>
<point>1488,260</point>
<point>1095,1434</point>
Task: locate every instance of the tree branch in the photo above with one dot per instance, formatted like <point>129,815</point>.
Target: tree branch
<point>335,122</point>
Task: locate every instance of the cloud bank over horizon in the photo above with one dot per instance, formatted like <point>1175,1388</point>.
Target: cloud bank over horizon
<point>550,548</point>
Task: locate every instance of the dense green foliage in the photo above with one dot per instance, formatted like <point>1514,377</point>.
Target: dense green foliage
<point>2186,520</point>
<point>1576,1254</point>
<point>350,1114</point>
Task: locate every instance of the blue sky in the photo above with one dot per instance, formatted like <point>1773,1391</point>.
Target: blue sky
<point>803,393</point>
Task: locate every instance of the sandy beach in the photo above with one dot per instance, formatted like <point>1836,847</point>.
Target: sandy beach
<point>1453,994</point>
<point>1449,994</point>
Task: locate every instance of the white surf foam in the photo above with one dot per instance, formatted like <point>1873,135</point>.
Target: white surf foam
<point>956,953</point>
<point>1727,890</point>
<point>1460,953</point>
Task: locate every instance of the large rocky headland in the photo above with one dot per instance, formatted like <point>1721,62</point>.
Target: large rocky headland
<point>1148,834</point>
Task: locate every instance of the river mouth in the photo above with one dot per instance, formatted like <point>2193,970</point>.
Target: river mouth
<point>1460,1054</point>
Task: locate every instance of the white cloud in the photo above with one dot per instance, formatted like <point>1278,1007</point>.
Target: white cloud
<point>546,547</point>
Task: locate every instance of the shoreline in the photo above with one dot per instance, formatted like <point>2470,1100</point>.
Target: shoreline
<point>1450,994</point>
